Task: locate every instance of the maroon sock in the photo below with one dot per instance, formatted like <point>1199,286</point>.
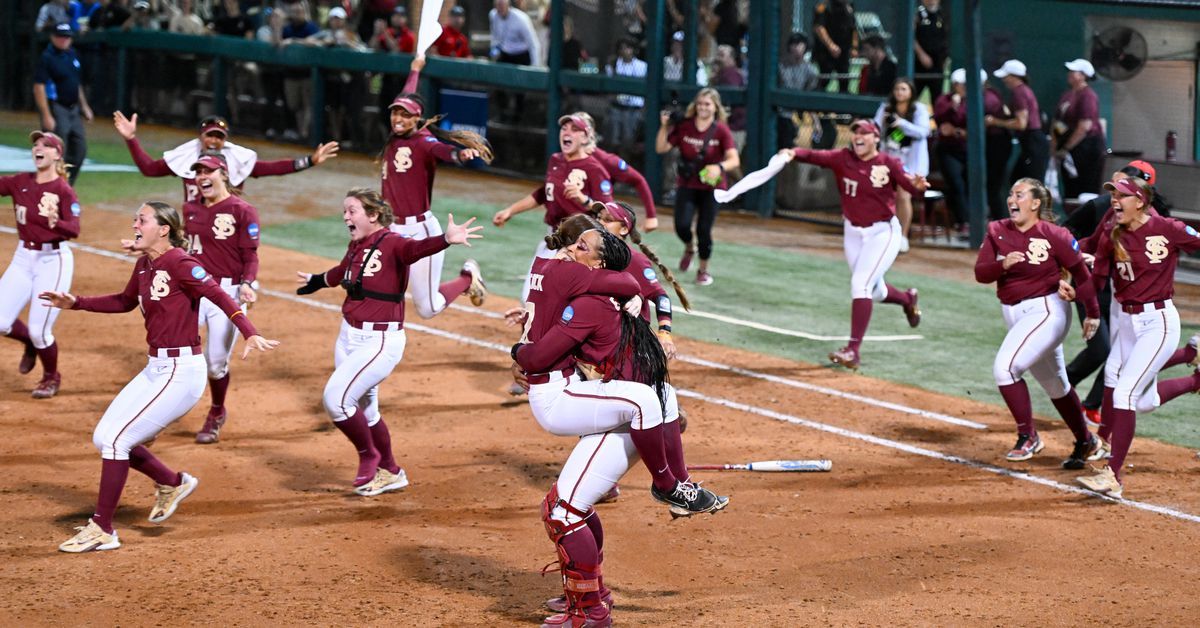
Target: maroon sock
<point>593,524</point>
<point>454,288</point>
<point>19,332</point>
<point>897,296</point>
<point>1182,355</point>
<point>650,445</point>
<point>1016,397</point>
<point>355,428</point>
<point>49,357</point>
<point>113,474</point>
<point>673,439</point>
<point>144,462</point>
<point>382,439</point>
<point>1172,388</point>
<point>219,387</point>
<point>860,318</point>
<point>1071,410</point>
<point>584,557</point>
<point>1124,423</point>
<point>1106,418</point>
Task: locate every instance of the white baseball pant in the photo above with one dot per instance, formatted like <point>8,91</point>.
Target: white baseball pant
<point>31,273</point>
<point>1145,341</point>
<point>567,406</point>
<point>362,359</point>
<point>870,251</point>
<point>1036,330</point>
<point>424,275</point>
<point>222,333</point>
<point>164,391</point>
<point>595,465</point>
<point>542,252</point>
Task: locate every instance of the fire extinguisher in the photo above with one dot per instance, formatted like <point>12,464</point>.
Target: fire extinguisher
<point>1171,137</point>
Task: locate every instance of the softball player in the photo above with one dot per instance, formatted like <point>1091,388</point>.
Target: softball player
<point>167,285</point>
<point>1140,254</point>
<point>371,342</point>
<point>1025,255</point>
<point>410,162</point>
<point>242,162</point>
<point>867,181</point>
<point>222,231</point>
<point>47,213</point>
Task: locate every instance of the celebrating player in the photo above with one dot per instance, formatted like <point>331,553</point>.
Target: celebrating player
<point>47,216</point>
<point>867,180</point>
<point>622,172</point>
<point>168,285</point>
<point>410,162</point>
<point>371,342</point>
<point>1025,255</point>
<point>242,163</point>
<point>1139,253</point>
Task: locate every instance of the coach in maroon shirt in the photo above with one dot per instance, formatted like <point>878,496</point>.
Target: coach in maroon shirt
<point>1077,132</point>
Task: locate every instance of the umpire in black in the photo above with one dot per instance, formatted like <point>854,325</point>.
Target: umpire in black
<point>58,92</point>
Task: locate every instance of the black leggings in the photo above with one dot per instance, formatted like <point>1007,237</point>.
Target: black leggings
<point>687,202</point>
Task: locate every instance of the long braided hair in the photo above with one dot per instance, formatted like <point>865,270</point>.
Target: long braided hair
<point>636,237</point>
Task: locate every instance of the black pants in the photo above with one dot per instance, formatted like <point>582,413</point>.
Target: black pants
<point>1034,157</point>
<point>953,164</point>
<point>698,205</point>
<point>998,148</point>
<point>1089,163</point>
<point>840,65</point>
<point>1095,354</point>
<point>935,85</point>
<point>68,124</point>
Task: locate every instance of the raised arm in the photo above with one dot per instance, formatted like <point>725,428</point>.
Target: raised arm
<point>988,269</point>
<point>119,302</point>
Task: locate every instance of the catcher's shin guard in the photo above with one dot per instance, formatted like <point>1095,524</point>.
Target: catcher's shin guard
<point>581,581</point>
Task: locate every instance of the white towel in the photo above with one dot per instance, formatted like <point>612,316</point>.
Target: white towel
<point>752,180</point>
<point>238,159</point>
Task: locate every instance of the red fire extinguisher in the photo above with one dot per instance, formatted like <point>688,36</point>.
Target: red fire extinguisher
<point>1171,138</point>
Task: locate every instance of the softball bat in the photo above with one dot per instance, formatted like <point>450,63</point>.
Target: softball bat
<point>768,465</point>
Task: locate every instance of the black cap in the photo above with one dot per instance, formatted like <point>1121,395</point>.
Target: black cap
<point>457,10</point>
<point>64,30</point>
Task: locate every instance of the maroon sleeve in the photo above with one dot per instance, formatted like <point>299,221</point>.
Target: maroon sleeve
<point>1183,236</point>
<point>675,136</point>
<point>410,83</point>
<point>623,172</point>
<point>987,267</point>
<point>7,185</point>
<point>248,242</point>
<point>334,275</point>
<point>599,185</point>
<point>1088,106</point>
<point>68,218</point>
<point>941,107</point>
<point>724,138</point>
<point>609,283</point>
<point>410,251</point>
<point>443,151</point>
<point>209,289</point>
<point>274,168</point>
<point>901,177</point>
<point>148,166</point>
<point>823,158</point>
<point>550,349</point>
<point>539,195</point>
<point>123,301</point>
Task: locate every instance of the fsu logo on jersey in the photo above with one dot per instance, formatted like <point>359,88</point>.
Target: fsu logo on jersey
<point>1156,249</point>
<point>372,264</point>
<point>403,159</point>
<point>1039,251</point>
<point>880,175</point>
<point>160,286</point>
<point>48,206</point>
<point>223,226</point>
<point>577,176</point>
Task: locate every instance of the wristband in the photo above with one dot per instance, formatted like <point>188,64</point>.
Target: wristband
<point>302,163</point>
<point>253,284</point>
<point>513,352</point>
<point>663,328</point>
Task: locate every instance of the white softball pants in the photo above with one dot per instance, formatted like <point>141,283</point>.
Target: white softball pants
<point>164,391</point>
<point>571,407</point>
<point>870,251</point>
<point>222,333</point>
<point>362,359</point>
<point>31,273</point>
<point>1145,341</point>
<point>542,252</point>
<point>1036,330</point>
<point>424,275</point>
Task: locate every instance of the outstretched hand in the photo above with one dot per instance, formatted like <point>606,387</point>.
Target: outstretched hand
<point>258,343</point>
<point>126,127</point>
<point>61,300</point>
<point>323,152</point>
<point>461,234</point>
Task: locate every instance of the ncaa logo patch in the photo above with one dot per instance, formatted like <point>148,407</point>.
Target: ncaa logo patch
<point>76,209</point>
<point>606,186</point>
<point>1074,244</point>
<point>252,229</point>
<point>431,139</point>
<point>199,273</point>
<point>1192,232</point>
<point>650,275</point>
<point>568,314</point>
<point>621,165</point>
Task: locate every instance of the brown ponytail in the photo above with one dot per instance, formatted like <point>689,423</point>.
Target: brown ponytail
<point>1042,195</point>
<point>570,229</point>
<point>167,216</point>
<point>469,139</point>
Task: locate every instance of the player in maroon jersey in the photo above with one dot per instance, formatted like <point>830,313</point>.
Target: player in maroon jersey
<point>1139,253</point>
<point>47,216</point>
<point>167,285</point>
<point>373,273</point>
<point>867,181</point>
<point>409,163</point>
<point>1026,255</point>
<point>622,172</point>
<point>242,162</point>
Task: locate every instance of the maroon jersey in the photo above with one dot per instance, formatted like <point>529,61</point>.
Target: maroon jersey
<point>1022,99</point>
<point>951,109</point>
<point>381,260</point>
<point>868,188</point>
<point>553,283</point>
<point>693,148</point>
<point>169,290</point>
<point>649,288</point>
<point>224,238</point>
<point>409,165</point>
<point>1048,249</point>
<point>1153,249</point>
<point>595,326</point>
<point>150,167</point>
<point>37,204</point>
<point>1075,107</point>
<point>596,185</point>
<point>622,172</point>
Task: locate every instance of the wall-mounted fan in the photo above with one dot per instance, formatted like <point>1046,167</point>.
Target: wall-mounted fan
<point>1118,53</point>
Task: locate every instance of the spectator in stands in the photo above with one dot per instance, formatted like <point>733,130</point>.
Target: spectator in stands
<point>82,13</point>
<point>229,20</point>
<point>997,150</point>
<point>343,89</point>
<point>370,11</point>
<point>795,72</point>
<point>394,37</point>
<point>58,93</point>
<point>143,18</point>
<point>573,52</point>
<point>904,122</point>
<point>182,79</point>
<point>950,114</point>
<point>113,14</point>
<point>673,63</point>
<point>727,73</point>
<point>513,38</point>
<point>1078,137</point>
<point>1026,123</point>
<point>631,15</point>
<point>53,13</point>
<point>728,30</point>
<point>879,75</point>
<point>931,48</point>
<point>624,119</point>
<point>453,42</point>
<point>836,42</point>
<point>297,86</point>
<point>271,32</point>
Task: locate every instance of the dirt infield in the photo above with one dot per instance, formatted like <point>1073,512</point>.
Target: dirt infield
<point>274,537</point>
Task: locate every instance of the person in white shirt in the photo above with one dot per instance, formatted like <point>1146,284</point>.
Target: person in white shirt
<point>627,110</point>
<point>673,63</point>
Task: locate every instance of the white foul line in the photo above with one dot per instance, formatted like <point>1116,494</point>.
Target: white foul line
<point>791,332</point>
<point>764,412</point>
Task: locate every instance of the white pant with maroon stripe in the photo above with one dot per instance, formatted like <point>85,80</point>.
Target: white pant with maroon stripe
<point>595,465</point>
<point>31,273</point>
<point>1036,330</point>
<point>1145,341</point>
<point>870,251</point>
<point>164,391</point>
<point>222,333</point>
<point>362,359</point>
<point>425,274</point>
<point>572,407</point>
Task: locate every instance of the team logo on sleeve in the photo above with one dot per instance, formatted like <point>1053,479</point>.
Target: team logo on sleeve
<point>880,176</point>
<point>606,186</point>
<point>568,314</point>
<point>664,304</point>
<point>76,209</point>
<point>621,165</point>
<point>1156,249</point>
<point>223,226</point>
<point>252,230</point>
<point>1039,251</point>
<point>1192,232</point>
<point>160,286</point>
<point>650,275</point>
<point>1074,245</point>
<point>199,273</point>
